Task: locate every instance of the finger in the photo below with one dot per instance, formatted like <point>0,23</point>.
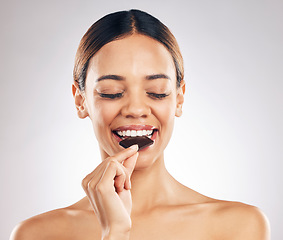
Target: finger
<point>127,184</point>
<point>107,181</point>
<point>98,171</point>
<point>120,157</point>
<point>119,179</point>
<point>126,153</point>
<point>129,165</point>
<point>119,182</point>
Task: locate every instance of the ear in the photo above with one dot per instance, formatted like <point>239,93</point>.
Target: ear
<point>79,101</point>
<point>180,99</point>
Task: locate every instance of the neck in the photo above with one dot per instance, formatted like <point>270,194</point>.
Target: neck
<point>152,186</point>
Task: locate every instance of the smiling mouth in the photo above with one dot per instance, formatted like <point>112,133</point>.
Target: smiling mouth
<point>134,133</point>
<point>126,131</point>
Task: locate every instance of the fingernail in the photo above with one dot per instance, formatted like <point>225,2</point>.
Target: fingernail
<point>135,147</point>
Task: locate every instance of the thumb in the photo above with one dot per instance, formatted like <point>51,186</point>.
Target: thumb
<point>130,163</point>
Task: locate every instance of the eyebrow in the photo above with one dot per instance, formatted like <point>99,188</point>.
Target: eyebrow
<point>110,77</point>
<point>120,78</point>
<point>157,76</point>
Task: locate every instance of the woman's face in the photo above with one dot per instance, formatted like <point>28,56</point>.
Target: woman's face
<point>131,89</point>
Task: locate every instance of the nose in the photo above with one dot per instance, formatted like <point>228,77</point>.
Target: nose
<point>136,107</point>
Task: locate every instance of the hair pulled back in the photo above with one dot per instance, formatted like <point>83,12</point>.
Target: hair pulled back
<point>121,24</point>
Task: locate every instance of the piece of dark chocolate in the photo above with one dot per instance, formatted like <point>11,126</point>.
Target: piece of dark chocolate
<point>142,142</point>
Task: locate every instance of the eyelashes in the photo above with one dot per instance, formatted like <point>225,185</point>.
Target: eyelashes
<point>157,95</point>
<point>120,95</point>
<point>111,96</point>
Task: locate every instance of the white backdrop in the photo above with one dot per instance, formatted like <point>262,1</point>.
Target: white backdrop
<point>227,145</point>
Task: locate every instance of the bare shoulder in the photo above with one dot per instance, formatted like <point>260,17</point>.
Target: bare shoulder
<point>65,223</point>
<point>240,221</point>
<point>44,226</point>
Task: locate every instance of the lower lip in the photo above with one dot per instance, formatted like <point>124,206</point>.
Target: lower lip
<point>153,137</point>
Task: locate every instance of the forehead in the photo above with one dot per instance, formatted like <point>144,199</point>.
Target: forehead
<point>135,55</point>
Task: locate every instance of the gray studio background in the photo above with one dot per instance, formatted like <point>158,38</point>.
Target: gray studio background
<point>227,144</point>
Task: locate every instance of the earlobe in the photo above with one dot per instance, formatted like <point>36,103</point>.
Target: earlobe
<point>178,112</point>
<point>180,99</point>
<point>79,101</point>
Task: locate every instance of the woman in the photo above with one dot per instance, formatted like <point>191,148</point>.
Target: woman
<point>129,80</point>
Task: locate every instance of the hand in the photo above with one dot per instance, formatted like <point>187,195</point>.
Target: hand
<point>108,190</point>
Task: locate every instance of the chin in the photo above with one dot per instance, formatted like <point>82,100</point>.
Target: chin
<point>145,161</point>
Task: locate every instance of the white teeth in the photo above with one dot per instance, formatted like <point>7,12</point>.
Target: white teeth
<point>134,133</point>
<point>139,133</point>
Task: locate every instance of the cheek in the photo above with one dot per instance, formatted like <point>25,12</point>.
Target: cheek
<point>165,112</point>
<point>103,113</point>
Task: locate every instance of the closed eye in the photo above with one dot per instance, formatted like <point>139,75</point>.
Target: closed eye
<point>157,95</point>
<point>111,96</point>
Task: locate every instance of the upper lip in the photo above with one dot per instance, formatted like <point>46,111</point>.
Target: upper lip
<point>135,127</point>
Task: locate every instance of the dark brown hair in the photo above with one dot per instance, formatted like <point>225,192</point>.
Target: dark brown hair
<point>116,26</point>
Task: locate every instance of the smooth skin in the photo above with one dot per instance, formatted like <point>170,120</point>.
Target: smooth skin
<point>131,195</point>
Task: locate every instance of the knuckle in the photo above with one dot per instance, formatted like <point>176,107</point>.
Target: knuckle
<point>99,188</point>
<point>91,186</point>
<point>112,163</point>
<point>84,183</point>
<point>111,159</point>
